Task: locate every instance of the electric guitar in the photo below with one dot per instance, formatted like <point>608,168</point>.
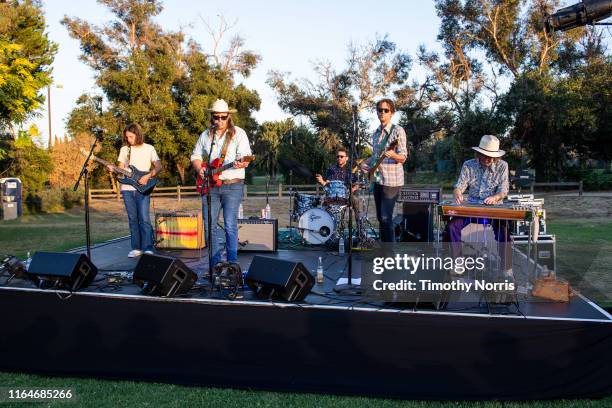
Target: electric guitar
<point>372,170</point>
<point>217,167</point>
<point>129,175</point>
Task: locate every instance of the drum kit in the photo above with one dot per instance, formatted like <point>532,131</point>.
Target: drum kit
<point>324,221</point>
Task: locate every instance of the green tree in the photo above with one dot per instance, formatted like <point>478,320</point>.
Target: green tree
<point>374,70</point>
<point>153,77</point>
<point>26,55</point>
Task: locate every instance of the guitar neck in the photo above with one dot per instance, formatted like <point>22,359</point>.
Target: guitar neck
<point>116,169</point>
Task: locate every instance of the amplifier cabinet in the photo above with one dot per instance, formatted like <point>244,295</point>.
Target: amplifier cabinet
<point>257,235</point>
<point>179,230</point>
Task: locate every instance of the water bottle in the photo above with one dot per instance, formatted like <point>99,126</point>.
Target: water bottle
<point>268,212</point>
<point>27,262</point>
<point>341,246</point>
<point>240,212</point>
<point>320,277</point>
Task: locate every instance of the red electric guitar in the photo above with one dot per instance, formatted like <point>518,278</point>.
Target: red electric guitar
<point>217,168</point>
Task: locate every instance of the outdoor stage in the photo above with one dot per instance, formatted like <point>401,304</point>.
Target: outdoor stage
<point>326,344</point>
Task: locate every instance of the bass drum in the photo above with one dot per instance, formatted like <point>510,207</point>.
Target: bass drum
<point>316,226</point>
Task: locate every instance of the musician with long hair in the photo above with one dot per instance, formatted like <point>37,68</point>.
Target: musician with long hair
<point>141,155</point>
<point>486,179</point>
<point>389,178</point>
<point>230,143</point>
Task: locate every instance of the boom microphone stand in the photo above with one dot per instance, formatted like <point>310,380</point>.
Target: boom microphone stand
<point>98,132</point>
<point>350,289</point>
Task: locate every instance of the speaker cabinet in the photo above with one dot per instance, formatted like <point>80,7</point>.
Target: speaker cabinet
<point>69,271</point>
<point>163,275</point>
<point>416,222</point>
<point>278,278</point>
<point>257,235</point>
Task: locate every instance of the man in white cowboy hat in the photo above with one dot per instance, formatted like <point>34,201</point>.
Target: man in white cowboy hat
<point>486,179</point>
<point>223,137</point>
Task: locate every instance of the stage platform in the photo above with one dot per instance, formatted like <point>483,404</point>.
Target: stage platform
<point>329,343</point>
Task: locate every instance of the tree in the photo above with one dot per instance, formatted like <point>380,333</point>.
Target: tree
<point>154,78</point>
<point>267,143</point>
<point>374,70</point>
<point>26,55</point>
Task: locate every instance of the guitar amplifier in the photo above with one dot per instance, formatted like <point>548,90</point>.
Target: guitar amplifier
<point>255,234</point>
<point>419,195</point>
<point>179,230</point>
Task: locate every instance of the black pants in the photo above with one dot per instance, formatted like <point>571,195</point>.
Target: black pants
<point>385,198</point>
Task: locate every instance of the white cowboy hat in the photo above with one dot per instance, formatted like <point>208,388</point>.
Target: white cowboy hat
<point>489,146</point>
<point>220,106</point>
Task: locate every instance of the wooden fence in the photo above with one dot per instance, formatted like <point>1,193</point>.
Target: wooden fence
<point>275,190</point>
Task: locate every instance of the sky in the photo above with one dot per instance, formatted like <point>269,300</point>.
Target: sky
<point>289,36</point>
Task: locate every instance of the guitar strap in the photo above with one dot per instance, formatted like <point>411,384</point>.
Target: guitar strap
<point>223,148</point>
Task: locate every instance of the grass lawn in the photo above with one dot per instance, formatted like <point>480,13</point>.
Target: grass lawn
<point>583,244</point>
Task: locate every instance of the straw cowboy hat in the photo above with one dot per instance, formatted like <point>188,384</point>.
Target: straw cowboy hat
<point>489,146</point>
<point>220,106</point>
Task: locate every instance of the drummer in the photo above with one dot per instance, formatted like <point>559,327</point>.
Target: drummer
<point>340,171</point>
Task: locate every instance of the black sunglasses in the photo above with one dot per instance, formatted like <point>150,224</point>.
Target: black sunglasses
<point>383,110</point>
<point>218,117</point>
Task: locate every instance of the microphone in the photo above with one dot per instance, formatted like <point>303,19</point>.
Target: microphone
<point>98,131</point>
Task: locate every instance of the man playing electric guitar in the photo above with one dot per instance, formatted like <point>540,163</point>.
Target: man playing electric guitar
<point>390,171</point>
<point>229,144</point>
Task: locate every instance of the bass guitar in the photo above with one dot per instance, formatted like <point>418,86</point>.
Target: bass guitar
<point>216,168</point>
<point>129,175</point>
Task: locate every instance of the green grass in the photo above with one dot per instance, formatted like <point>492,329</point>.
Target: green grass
<point>580,240</point>
<point>102,393</point>
<point>57,232</point>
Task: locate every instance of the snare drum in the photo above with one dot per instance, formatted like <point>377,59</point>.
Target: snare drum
<point>336,193</point>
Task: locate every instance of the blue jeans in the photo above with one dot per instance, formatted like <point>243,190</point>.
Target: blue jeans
<point>228,197</point>
<point>385,198</point>
<point>141,231</point>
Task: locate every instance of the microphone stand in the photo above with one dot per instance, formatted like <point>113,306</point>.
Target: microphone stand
<point>213,134</point>
<point>84,174</point>
<point>350,288</point>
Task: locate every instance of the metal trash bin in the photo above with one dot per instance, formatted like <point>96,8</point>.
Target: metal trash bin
<point>11,200</point>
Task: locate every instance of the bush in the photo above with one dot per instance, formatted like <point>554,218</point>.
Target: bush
<point>52,200</point>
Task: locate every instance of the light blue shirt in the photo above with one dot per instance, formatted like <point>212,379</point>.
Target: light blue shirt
<point>238,146</point>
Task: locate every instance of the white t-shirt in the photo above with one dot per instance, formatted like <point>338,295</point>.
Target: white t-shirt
<point>141,157</point>
<point>239,145</point>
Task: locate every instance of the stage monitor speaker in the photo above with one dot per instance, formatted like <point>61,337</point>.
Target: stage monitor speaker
<point>416,222</point>
<point>70,271</point>
<point>257,235</point>
<point>278,278</point>
<point>163,275</point>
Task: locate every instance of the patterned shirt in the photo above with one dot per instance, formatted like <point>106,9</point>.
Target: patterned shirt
<point>391,172</point>
<point>336,172</point>
<point>481,181</point>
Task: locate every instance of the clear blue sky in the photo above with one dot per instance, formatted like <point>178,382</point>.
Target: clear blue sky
<point>288,35</point>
